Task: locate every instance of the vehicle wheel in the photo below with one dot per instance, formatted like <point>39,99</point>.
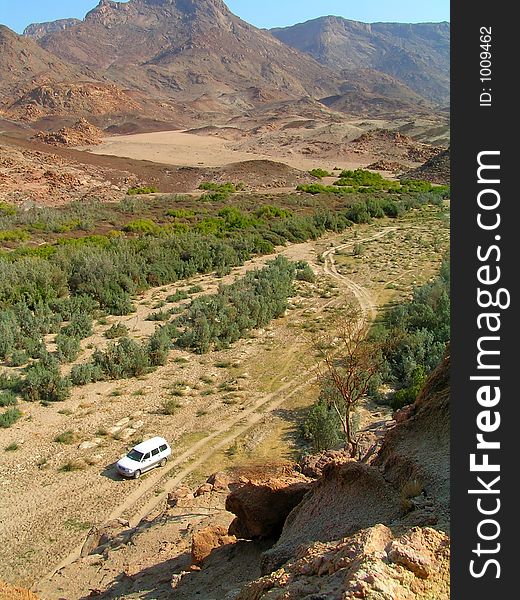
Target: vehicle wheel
<point>137,474</point>
<point>163,462</point>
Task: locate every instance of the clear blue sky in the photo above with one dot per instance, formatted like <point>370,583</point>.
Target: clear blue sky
<point>17,14</point>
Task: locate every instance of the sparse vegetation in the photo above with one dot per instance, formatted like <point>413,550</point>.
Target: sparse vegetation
<point>219,320</point>
<point>320,173</point>
<point>137,191</point>
<point>9,417</point>
<point>117,330</point>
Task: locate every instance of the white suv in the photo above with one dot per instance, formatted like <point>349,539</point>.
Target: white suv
<point>143,457</point>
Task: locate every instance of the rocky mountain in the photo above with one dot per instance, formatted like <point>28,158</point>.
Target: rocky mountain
<point>35,83</point>
<point>437,169</point>
<point>417,55</point>
<point>24,64</point>
<point>189,50</point>
<point>38,30</point>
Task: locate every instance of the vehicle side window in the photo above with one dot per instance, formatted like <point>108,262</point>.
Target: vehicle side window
<point>162,448</point>
<point>146,456</point>
<point>155,451</point>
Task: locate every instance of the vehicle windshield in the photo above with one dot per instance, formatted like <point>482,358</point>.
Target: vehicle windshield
<point>135,455</point>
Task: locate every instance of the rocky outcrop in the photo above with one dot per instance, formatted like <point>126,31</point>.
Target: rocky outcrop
<point>36,31</point>
<point>313,465</point>
<point>418,449</point>
<point>208,539</point>
<point>261,507</point>
<point>112,534</point>
<point>348,497</point>
<point>436,170</point>
<point>371,564</point>
<point>8,592</point>
<point>365,531</point>
<point>82,133</point>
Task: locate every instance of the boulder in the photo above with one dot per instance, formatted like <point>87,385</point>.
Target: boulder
<point>262,507</point>
<point>206,540</point>
<point>99,538</point>
<point>220,481</point>
<point>312,465</point>
<point>181,498</point>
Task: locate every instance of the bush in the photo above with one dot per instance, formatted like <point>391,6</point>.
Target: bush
<point>85,374</point>
<point>409,394</point>
<point>322,428</point>
<point>319,173</point>
<point>67,437</point>
<point>143,226</point>
<point>7,398</point>
<point>220,319</point>
<point>67,348</point>
<point>18,358</point>
<point>9,382</point>
<point>9,417</point>
<point>159,347</point>
<point>170,406</point>
<point>305,273</point>
<point>178,296</point>
<point>44,383</point>
<point>116,331</point>
<point>124,358</point>
<point>137,191</point>
<point>80,326</point>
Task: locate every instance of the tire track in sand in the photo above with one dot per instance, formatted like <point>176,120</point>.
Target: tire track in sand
<point>201,451</point>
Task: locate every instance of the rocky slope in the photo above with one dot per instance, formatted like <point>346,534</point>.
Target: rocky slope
<point>36,31</point>
<point>417,55</point>
<point>376,531</point>
<point>24,64</point>
<point>35,83</point>
<point>436,170</point>
<point>189,50</point>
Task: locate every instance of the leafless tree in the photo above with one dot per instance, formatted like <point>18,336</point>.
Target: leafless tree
<point>349,363</point>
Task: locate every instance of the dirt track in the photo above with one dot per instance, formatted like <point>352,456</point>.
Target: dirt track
<point>237,425</point>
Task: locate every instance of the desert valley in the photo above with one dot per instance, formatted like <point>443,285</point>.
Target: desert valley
<point>236,239</point>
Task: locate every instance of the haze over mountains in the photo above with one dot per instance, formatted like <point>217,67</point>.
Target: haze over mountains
<point>179,61</point>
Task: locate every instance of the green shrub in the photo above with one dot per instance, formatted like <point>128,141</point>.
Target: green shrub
<point>44,383</point>
<point>178,296</point>
<point>18,358</point>
<point>116,331</point>
<point>143,226</point>
<point>85,374</point>
<point>159,347</point>
<point>80,326</point>
<point>137,191</point>
<point>9,382</point>
<point>67,437</point>
<point>12,447</point>
<point>14,235</point>
<point>67,348</point>
<point>361,177</point>
<point>409,394</point>
<point>9,417</point>
<point>221,319</point>
<point>218,187</point>
<point>121,359</point>
<point>7,210</point>
<point>8,398</point>
<point>305,273</point>
<point>170,406</point>
<point>322,428</point>
<point>161,315</point>
<point>320,173</point>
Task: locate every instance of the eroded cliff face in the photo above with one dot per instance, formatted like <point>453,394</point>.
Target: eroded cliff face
<point>376,531</point>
